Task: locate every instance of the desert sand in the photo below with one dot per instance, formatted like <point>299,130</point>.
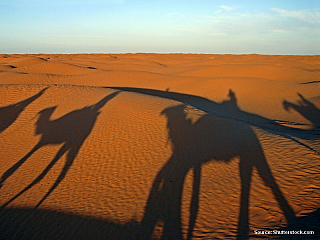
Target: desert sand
<point>159,146</point>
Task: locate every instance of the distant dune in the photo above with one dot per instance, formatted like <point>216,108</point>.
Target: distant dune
<point>159,146</point>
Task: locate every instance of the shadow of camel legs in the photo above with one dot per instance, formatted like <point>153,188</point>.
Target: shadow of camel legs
<point>194,206</point>
<point>15,167</point>
<point>165,201</point>
<point>246,166</point>
<point>60,153</point>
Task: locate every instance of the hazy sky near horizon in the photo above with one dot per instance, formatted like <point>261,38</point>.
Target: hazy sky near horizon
<point>168,26</point>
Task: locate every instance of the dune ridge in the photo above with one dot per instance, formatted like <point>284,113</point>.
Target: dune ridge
<point>128,144</point>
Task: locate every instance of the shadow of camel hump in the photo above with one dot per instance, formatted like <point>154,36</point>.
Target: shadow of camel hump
<point>70,130</point>
<point>208,139</point>
<point>10,113</point>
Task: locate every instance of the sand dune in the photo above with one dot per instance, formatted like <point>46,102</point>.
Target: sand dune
<point>54,68</point>
<point>151,146</point>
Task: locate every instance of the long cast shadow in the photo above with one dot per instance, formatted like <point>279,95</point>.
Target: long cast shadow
<point>278,127</point>
<point>40,224</point>
<point>71,130</point>
<point>10,113</point>
<point>224,133</point>
<point>208,139</point>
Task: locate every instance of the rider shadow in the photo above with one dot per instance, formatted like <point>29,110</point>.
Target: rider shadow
<point>306,108</point>
<point>208,139</point>
<point>10,113</point>
<point>71,130</point>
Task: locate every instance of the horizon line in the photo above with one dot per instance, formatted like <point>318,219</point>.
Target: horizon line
<point>164,53</point>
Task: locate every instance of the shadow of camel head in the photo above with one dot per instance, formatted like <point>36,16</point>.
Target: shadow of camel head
<point>47,110</point>
<point>44,115</point>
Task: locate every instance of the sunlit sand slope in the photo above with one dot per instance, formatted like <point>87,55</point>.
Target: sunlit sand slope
<point>150,146</point>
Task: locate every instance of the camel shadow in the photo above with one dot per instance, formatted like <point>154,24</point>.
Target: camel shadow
<point>209,139</point>
<point>10,113</point>
<point>70,130</point>
<point>306,108</point>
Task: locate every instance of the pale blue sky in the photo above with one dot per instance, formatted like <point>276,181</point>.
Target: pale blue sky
<point>169,26</point>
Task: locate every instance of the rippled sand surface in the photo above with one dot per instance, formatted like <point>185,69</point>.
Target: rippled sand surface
<point>159,146</point>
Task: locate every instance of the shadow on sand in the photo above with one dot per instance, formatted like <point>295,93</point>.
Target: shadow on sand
<point>38,224</point>
<point>277,127</point>
<point>306,108</point>
<point>70,130</point>
<point>208,139</point>
<point>10,113</point>
<point>224,133</point>
<point>309,222</point>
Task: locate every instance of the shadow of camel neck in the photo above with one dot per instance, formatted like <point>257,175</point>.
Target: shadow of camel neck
<point>10,113</point>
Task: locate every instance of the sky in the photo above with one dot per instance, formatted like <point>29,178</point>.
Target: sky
<point>161,26</point>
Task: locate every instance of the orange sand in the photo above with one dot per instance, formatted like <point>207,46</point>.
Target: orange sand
<point>151,146</point>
